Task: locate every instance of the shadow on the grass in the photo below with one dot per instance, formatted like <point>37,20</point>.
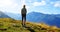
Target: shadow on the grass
<point>30,29</point>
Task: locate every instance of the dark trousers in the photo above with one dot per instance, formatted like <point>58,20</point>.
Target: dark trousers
<point>23,19</point>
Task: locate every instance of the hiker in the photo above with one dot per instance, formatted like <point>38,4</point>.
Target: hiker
<point>23,13</point>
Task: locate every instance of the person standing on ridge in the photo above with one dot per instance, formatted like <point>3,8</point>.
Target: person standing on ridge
<point>23,13</point>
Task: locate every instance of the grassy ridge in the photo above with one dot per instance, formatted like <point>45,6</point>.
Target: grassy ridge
<point>11,25</point>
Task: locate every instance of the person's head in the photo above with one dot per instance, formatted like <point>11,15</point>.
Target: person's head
<point>23,6</point>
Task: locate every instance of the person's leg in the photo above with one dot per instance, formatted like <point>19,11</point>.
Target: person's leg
<point>25,19</point>
<point>22,19</point>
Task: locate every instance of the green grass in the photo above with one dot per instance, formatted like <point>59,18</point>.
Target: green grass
<point>12,25</point>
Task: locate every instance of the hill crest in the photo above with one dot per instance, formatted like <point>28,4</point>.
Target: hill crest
<point>12,25</point>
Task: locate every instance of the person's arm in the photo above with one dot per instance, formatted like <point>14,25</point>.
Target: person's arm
<point>21,11</point>
<point>26,10</point>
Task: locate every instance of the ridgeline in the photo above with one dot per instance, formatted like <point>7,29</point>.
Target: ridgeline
<point>12,25</point>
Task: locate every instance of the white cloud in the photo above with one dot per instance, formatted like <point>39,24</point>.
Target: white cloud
<point>39,3</point>
<point>23,2</point>
<point>14,5</point>
<point>8,6</point>
<point>11,6</point>
<point>15,12</point>
<point>27,7</point>
<point>8,3</point>
<point>5,3</point>
<point>57,4</point>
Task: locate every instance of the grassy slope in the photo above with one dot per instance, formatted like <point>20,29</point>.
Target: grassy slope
<point>12,25</point>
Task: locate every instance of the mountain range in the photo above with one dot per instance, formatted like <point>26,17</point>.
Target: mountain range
<point>3,15</point>
<point>50,19</point>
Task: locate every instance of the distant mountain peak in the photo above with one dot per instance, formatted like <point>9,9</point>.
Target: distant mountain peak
<point>3,15</point>
<point>46,18</point>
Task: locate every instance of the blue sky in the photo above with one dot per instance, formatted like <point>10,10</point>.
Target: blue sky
<point>42,6</point>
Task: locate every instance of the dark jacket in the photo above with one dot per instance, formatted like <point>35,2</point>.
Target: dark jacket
<point>23,11</point>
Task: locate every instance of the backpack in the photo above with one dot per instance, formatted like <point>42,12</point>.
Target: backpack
<point>23,11</point>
